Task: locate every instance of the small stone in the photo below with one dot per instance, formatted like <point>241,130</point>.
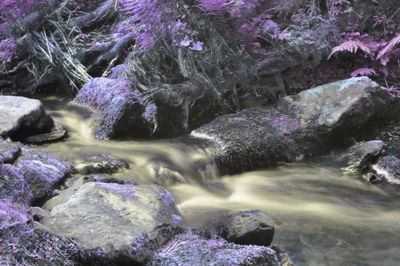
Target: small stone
<point>245,227</point>
<point>56,134</point>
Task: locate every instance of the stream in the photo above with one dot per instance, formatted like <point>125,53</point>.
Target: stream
<point>321,216</point>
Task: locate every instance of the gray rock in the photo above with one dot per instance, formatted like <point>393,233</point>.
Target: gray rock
<point>192,249</point>
<point>297,127</point>
<point>21,117</point>
<point>359,156</point>
<point>111,216</point>
<point>101,164</point>
<point>388,169</point>
<point>245,227</point>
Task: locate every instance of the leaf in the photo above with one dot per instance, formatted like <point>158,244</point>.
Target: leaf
<point>351,46</point>
<point>364,72</point>
<point>388,48</point>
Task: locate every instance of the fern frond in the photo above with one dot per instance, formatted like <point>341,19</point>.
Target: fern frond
<point>388,48</point>
<point>363,72</point>
<point>351,46</point>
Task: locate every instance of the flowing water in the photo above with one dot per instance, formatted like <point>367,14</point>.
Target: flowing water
<point>321,216</point>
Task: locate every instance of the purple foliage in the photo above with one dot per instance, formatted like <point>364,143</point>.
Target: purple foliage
<point>8,50</point>
<point>149,19</point>
<point>14,10</point>
<point>154,19</point>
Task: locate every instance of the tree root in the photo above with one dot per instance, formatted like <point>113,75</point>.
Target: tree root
<point>105,13</point>
<point>111,54</point>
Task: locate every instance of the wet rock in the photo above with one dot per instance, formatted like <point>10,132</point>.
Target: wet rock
<point>21,117</point>
<point>42,171</point>
<point>57,133</point>
<point>194,249</point>
<point>299,126</point>
<point>387,169</point>
<point>111,216</point>
<point>101,164</point>
<point>9,151</point>
<point>245,227</point>
<point>359,157</point>
<point>120,108</point>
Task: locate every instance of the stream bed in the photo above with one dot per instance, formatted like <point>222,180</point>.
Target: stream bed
<point>321,216</point>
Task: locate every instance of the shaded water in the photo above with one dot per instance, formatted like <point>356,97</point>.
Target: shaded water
<point>321,216</point>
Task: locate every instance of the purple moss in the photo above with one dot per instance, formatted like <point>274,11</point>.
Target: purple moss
<point>286,125</point>
<point>41,170</point>
<point>123,190</point>
<point>193,249</point>
<point>166,198</point>
<point>176,219</point>
<point>120,107</point>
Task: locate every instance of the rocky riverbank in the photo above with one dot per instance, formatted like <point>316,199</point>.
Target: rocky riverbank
<point>57,212</point>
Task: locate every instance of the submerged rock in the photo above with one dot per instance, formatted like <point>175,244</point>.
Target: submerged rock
<point>21,117</point>
<point>245,227</point>
<point>192,249</point>
<point>164,174</point>
<point>111,216</point>
<point>101,164</point>
<point>120,108</point>
<point>298,126</point>
<point>388,169</point>
<point>359,156</point>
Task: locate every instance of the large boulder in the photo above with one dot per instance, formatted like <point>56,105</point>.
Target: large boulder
<point>112,216</point>
<point>194,249</point>
<point>120,108</point>
<point>298,126</point>
<point>21,117</point>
